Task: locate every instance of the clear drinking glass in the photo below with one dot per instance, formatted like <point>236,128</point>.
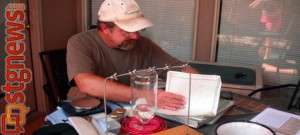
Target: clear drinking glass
<point>144,94</point>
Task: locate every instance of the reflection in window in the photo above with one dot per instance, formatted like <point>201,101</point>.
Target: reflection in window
<point>263,33</point>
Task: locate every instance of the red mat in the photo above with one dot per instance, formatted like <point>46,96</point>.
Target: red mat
<point>133,126</point>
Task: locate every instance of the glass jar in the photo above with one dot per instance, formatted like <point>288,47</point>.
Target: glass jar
<point>144,94</point>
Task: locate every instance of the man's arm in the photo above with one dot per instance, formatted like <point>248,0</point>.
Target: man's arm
<point>93,85</point>
<point>189,69</point>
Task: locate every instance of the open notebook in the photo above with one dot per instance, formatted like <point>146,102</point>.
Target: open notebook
<point>199,120</point>
<point>204,91</point>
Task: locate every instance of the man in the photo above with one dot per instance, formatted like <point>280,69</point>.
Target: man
<point>116,47</point>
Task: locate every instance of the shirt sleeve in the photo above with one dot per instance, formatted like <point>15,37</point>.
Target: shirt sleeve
<point>79,57</point>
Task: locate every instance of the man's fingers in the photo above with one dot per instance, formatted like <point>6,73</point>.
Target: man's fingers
<point>171,105</point>
<point>174,96</point>
<point>170,101</point>
<point>168,108</point>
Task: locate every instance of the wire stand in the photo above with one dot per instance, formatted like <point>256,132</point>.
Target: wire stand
<point>116,76</point>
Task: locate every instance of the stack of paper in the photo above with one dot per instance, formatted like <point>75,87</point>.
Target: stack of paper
<point>199,120</point>
<point>281,122</point>
<point>223,107</point>
<point>204,91</point>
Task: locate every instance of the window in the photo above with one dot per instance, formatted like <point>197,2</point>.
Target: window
<point>262,33</point>
<point>174,23</point>
<point>3,54</point>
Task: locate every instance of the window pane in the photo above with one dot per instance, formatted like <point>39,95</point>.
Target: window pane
<point>263,33</point>
<point>3,54</point>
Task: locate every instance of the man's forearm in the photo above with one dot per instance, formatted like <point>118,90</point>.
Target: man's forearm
<point>190,70</point>
<point>93,85</point>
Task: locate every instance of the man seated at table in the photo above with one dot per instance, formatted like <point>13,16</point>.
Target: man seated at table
<point>116,46</point>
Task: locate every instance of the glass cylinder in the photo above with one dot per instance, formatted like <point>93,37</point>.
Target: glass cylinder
<point>144,94</point>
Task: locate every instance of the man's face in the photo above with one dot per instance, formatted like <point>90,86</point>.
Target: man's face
<point>123,39</point>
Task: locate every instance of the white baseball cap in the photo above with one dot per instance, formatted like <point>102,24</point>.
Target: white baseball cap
<point>124,13</point>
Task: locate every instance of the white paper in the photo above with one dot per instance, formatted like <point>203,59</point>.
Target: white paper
<point>273,118</point>
<point>205,92</point>
<point>82,126</point>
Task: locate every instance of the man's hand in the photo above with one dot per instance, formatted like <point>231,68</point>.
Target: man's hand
<point>170,101</point>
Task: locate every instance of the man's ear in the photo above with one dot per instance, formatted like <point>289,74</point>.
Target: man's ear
<point>104,28</point>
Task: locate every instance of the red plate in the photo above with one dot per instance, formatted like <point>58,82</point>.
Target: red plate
<point>133,126</point>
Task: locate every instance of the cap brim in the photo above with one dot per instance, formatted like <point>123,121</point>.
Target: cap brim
<point>134,24</point>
